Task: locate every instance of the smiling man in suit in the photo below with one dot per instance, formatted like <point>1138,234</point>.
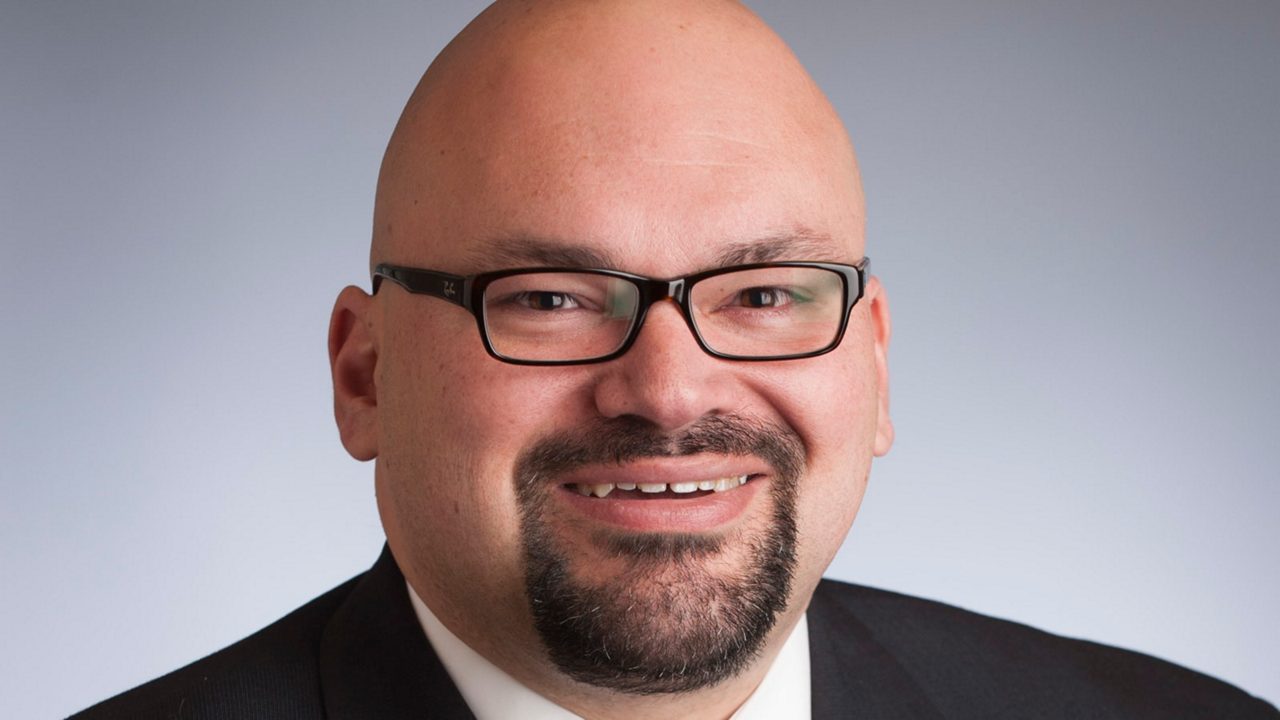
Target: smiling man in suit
<point>623,373</point>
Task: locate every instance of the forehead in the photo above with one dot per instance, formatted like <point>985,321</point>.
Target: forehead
<point>508,204</point>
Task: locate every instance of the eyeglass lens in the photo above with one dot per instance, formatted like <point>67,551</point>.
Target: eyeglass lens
<point>763,312</point>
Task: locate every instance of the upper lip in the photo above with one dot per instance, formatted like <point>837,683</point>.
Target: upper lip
<point>668,470</point>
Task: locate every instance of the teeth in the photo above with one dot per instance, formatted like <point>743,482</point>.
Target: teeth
<point>718,485</point>
<point>729,483</point>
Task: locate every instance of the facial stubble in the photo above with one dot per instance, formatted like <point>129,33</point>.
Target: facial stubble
<point>673,619</point>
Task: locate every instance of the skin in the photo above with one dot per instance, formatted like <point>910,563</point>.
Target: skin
<point>661,136</point>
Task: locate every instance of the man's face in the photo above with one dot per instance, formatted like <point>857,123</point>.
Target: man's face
<point>480,463</point>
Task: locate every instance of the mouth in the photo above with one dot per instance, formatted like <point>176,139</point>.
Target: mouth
<point>647,490</point>
<point>707,495</point>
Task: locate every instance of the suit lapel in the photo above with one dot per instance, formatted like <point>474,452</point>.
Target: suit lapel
<point>853,676</point>
<point>375,661</point>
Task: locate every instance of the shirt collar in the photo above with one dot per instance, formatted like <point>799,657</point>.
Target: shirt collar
<point>494,695</point>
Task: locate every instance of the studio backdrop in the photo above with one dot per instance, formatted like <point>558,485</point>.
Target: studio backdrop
<point>1073,207</point>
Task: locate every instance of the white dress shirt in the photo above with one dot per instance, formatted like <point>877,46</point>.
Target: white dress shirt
<point>494,695</point>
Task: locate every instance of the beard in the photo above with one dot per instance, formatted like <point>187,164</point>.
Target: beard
<point>672,620</point>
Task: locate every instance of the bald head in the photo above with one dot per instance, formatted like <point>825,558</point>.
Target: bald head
<point>533,99</point>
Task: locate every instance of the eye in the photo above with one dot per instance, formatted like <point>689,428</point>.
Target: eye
<point>766,297</point>
<point>545,300</point>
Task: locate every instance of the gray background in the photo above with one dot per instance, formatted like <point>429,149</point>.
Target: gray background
<point>1073,206</point>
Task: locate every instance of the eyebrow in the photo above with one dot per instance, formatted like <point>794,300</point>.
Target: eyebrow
<point>533,251</point>
<point>796,244</point>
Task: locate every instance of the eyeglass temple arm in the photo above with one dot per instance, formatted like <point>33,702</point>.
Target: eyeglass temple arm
<point>425,282</point>
<point>864,272</point>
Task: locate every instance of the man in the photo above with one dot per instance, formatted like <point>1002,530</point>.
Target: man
<point>623,372</point>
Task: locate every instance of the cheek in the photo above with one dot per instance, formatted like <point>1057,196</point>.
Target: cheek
<point>831,401</point>
<point>453,424</point>
<point>442,494</point>
<point>489,412</point>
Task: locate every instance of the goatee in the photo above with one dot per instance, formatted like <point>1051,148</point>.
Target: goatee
<point>668,622</point>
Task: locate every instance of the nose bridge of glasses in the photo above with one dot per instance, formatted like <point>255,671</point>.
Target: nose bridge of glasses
<point>652,291</point>
<point>655,291</point>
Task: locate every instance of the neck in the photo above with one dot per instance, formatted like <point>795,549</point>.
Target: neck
<point>717,702</point>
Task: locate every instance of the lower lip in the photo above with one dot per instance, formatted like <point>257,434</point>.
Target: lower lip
<point>702,513</point>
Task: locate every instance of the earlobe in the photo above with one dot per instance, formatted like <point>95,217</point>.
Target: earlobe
<point>353,360</point>
<point>881,329</point>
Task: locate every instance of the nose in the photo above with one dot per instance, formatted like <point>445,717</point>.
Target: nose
<point>665,377</point>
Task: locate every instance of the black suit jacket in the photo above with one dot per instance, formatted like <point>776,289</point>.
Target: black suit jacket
<point>358,653</point>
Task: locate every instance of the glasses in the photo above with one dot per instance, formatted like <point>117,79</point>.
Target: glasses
<point>570,316</point>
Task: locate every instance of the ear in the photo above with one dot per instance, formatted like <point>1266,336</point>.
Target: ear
<point>353,360</point>
<point>881,328</point>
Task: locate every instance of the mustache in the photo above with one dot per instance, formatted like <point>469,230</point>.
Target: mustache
<point>626,439</point>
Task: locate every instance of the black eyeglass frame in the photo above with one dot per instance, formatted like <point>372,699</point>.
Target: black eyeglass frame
<point>467,291</point>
